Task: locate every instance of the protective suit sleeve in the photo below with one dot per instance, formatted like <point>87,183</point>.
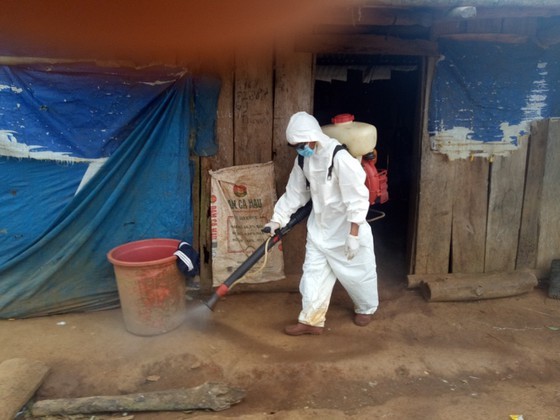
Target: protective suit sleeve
<point>355,194</point>
<point>296,196</point>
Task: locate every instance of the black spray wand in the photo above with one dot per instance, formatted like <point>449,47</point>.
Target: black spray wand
<point>222,290</point>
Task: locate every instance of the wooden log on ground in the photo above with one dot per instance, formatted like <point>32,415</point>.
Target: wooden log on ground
<point>209,396</point>
<point>19,379</point>
<point>467,286</point>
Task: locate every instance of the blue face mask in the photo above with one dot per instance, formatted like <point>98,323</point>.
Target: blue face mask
<point>306,151</point>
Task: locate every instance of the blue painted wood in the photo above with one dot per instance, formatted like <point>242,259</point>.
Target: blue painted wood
<point>493,90</point>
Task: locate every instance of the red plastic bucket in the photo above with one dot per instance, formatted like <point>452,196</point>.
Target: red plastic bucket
<point>151,288</point>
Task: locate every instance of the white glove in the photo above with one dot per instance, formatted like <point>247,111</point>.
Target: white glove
<point>271,228</point>
<point>351,247</point>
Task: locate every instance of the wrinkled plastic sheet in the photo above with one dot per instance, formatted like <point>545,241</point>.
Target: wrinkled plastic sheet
<point>56,226</point>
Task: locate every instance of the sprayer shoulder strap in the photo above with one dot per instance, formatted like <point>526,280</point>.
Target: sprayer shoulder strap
<point>337,149</point>
<point>300,164</point>
<point>329,173</point>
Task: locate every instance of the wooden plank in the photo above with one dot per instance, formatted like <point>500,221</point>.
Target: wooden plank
<point>483,25</point>
<point>367,44</point>
<point>470,206</point>
<point>204,222</point>
<point>224,118</point>
<point>253,102</point>
<point>370,16</point>
<point>433,234</point>
<point>421,120</point>
<point>528,235</point>
<point>293,92</point>
<point>549,215</point>
<point>223,159</point>
<point>516,12</point>
<point>505,202</point>
<point>197,198</point>
<point>488,37</point>
<point>516,29</point>
<point>432,245</point>
<point>524,26</point>
<point>445,27</point>
<point>499,4</point>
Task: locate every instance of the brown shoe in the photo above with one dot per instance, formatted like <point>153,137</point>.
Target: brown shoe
<point>300,329</point>
<point>362,319</point>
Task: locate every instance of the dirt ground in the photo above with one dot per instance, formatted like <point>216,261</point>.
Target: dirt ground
<point>417,360</point>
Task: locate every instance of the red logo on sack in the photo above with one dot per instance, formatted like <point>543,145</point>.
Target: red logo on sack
<point>240,190</point>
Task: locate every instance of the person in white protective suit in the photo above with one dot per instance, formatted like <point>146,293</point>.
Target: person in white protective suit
<point>339,240</point>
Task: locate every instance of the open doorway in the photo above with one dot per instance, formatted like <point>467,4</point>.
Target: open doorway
<point>383,91</point>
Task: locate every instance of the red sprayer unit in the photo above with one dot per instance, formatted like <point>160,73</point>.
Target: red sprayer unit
<point>376,181</point>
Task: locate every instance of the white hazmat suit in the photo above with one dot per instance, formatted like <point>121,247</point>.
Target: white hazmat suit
<point>337,202</point>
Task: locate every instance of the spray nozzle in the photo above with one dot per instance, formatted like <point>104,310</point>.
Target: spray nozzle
<point>220,292</point>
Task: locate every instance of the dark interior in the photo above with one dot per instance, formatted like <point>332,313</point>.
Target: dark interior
<point>391,104</point>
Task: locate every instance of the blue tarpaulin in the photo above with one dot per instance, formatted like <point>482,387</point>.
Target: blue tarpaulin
<point>125,130</point>
<point>489,92</point>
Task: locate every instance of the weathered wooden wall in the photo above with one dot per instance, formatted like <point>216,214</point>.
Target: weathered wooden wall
<point>259,93</point>
<point>480,216</point>
<point>539,240</point>
<point>487,215</point>
<point>469,216</point>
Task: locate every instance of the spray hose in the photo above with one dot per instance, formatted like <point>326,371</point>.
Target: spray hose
<point>263,265</point>
<point>300,215</point>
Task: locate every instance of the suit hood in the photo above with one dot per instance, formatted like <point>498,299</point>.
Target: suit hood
<point>304,128</point>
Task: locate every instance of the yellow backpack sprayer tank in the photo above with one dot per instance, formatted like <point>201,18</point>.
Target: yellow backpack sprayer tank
<point>361,139</point>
